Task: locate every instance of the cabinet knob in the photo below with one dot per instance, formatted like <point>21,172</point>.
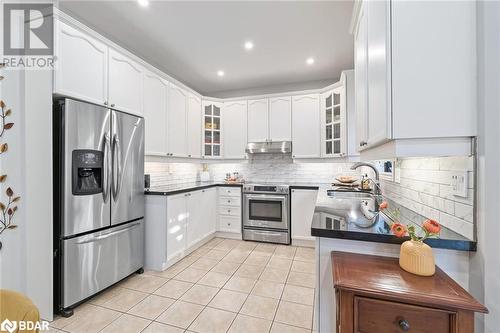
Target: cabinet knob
<point>105,103</point>
<point>363,143</point>
<point>189,155</point>
<point>404,325</point>
<point>112,105</point>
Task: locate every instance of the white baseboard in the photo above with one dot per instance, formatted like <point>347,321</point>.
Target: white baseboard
<point>230,235</point>
<point>305,242</point>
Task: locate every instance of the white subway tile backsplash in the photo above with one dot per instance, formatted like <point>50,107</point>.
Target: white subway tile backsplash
<point>424,185</point>
<point>264,168</point>
<point>425,188</point>
<point>464,212</point>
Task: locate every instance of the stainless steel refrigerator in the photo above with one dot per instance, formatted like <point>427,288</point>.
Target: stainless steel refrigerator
<point>99,199</point>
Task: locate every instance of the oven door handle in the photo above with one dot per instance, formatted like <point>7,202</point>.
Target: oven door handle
<point>271,197</point>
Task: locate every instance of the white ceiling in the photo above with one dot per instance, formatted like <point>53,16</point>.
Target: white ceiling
<point>193,40</point>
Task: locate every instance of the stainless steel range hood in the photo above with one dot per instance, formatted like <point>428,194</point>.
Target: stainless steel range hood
<point>270,147</point>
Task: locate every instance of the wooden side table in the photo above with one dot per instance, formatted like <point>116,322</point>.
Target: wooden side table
<point>374,295</point>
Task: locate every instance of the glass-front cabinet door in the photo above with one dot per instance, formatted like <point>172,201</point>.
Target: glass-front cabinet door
<point>212,129</point>
<point>333,134</point>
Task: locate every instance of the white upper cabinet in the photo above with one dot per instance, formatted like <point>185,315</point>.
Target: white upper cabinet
<point>81,68</point>
<point>306,126</point>
<point>234,118</point>
<point>434,74</point>
<point>379,115</point>
<point>212,138</point>
<point>280,119</point>
<point>155,114</point>
<point>194,126</point>
<point>125,83</point>
<point>333,123</point>
<point>361,78</point>
<point>413,87</point>
<point>347,80</point>
<point>177,129</point>
<point>258,120</point>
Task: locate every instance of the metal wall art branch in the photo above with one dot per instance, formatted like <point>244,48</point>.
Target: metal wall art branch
<point>8,209</point>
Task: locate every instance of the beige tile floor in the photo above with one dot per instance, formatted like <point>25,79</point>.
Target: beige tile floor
<point>224,286</point>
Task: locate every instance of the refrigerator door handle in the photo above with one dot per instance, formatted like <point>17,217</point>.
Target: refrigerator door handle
<point>106,168</point>
<point>117,156</point>
<point>109,234</point>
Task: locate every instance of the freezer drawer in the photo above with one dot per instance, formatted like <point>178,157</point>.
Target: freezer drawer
<point>95,261</point>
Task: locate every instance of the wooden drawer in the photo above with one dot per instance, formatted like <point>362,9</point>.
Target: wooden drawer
<point>377,316</point>
<point>231,211</point>
<point>230,201</point>
<point>229,224</point>
<point>230,191</point>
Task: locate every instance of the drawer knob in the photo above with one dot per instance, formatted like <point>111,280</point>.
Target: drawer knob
<point>404,325</point>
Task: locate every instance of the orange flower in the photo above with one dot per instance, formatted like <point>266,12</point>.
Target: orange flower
<point>431,226</point>
<point>384,205</point>
<point>398,229</point>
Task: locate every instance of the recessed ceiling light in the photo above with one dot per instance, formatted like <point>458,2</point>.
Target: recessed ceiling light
<point>310,61</point>
<point>143,3</point>
<point>220,73</point>
<point>248,45</point>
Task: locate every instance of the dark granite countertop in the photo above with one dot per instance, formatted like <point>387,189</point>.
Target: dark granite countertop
<point>193,186</point>
<point>330,221</point>
<point>186,187</point>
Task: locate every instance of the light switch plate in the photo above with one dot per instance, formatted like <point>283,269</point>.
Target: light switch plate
<point>459,183</point>
<point>397,171</point>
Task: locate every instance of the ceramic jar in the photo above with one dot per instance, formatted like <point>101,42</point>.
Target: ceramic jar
<point>416,257</point>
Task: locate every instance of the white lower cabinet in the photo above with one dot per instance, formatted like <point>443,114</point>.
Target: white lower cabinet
<point>208,204</point>
<point>176,224</point>
<point>303,203</point>
<point>229,209</point>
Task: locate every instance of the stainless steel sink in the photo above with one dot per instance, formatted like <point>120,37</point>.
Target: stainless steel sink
<point>356,207</point>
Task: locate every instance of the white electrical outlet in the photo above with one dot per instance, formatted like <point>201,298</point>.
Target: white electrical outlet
<point>459,183</point>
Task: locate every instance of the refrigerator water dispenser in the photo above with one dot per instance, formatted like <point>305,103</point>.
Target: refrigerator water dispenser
<point>87,172</point>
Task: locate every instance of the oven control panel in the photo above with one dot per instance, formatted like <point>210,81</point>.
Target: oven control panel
<point>258,188</point>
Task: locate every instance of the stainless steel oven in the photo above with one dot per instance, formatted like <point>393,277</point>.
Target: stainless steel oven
<point>266,213</point>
